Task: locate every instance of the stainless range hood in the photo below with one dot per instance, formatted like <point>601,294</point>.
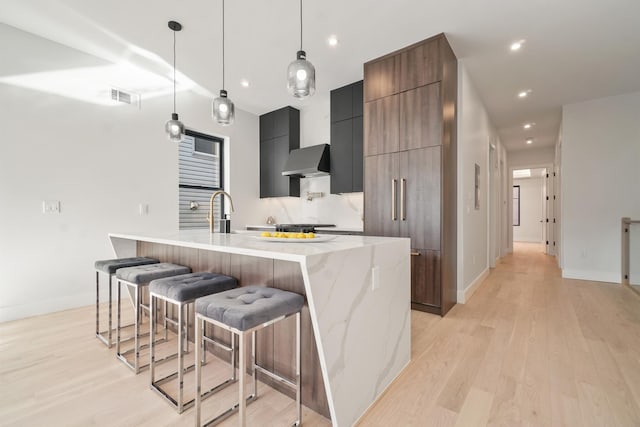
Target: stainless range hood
<point>308,162</point>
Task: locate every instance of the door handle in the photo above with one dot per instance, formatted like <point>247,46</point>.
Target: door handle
<point>403,201</point>
<point>415,253</point>
<point>394,213</point>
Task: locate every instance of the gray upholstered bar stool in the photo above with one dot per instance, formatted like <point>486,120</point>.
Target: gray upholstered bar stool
<point>109,267</point>
<point>137,278</point>
<point>244,311</point>
<point>181,291</point>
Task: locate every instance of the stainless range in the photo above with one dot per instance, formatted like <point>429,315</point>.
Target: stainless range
<point>301,228</point>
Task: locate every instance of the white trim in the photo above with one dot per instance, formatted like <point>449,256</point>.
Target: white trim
<point>465,295</point>
<point>48,306</point>
<point>592,275</point>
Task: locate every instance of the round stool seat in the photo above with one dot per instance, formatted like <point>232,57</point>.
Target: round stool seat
<point>110,266</point>
<point>146,273</point>
<point>187,287</point>
<point>249,306</point>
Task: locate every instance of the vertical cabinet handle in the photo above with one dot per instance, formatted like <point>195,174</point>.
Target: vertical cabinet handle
<point>403,200</point>
<point>394,214</point>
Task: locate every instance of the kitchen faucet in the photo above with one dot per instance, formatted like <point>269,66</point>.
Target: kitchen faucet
<point>222,218</point>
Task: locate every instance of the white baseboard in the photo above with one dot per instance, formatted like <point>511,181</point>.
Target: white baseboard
<point>592,275</point>
<point>46,306</point>
<point>464,295</point>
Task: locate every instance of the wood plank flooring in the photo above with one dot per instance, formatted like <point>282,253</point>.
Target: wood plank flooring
<point>528,349</point>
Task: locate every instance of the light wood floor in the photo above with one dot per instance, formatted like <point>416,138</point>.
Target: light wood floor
<point>529,348</point>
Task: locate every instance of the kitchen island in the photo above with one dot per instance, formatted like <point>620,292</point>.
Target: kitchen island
<point>357,289</point>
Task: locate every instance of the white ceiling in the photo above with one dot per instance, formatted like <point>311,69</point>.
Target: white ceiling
<point>575,50</point>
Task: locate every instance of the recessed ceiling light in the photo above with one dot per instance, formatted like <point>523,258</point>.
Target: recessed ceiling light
<point>528,125</point>
<point>524,93</point>
<point>244,83</point>
<point>529,140</point>
<point>333,41</point>
<point>517,45</point>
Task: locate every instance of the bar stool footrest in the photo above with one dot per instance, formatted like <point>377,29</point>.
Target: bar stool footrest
<point>226,414</point>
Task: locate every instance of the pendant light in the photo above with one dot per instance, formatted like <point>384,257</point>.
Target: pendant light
<point>174,127</point>
<point>301,75</point>
<point>222,108</point>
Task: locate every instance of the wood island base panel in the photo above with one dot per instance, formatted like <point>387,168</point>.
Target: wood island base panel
<point>356,326</point>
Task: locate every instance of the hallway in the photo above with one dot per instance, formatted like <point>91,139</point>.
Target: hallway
<point>529,348</point>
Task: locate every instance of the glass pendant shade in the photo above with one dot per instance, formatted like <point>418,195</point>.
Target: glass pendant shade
<point>174,128</point>
<point>223,110</point>
<point>301,77</point>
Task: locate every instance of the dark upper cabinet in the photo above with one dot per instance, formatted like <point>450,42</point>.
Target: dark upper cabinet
<point>341,156</point>
<point>280,122</point>
<point>346,139</point>
<point>266,169</point>
<point>357,99</point>
<point>342,103</point>
<point>279,134</point>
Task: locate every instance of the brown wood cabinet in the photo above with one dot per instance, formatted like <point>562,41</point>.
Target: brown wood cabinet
<point>381,125</point>
<point>410,163</point>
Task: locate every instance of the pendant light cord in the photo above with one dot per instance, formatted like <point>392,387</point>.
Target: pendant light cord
<point>300,24</point>
<point>174,71</point>
<point>222,44</point>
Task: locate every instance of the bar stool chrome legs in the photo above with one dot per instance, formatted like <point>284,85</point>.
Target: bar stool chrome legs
<point>181,291</point>
<point>101,334</point>
<point>110,267</point>
<point>137,279</point>
<point>236,311</point>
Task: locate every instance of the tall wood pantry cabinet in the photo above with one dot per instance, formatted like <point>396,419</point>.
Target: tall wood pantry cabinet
<point>410,103</point>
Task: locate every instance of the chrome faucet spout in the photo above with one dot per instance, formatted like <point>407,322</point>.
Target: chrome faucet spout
<point>210,216</point>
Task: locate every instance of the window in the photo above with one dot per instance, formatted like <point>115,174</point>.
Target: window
<point>516,205</point>
<point>201,174</point>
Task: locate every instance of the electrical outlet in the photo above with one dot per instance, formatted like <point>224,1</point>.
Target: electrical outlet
<point>375,278</point>
<point>51,206</point>
<point>143,209</point>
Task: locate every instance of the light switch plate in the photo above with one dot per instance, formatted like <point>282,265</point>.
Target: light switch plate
<point>51,206</point>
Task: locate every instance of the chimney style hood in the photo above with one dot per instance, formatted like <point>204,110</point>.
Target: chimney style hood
<point>308,162</point>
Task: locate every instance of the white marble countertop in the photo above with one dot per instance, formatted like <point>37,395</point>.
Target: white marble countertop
<point>249,243</point>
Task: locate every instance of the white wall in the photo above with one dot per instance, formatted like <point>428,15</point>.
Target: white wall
<point>530,228</point>
<point>100,162</point>
<point>475,134</point>
<point>533,157</point>
<point>600,176</point>
<point>344,210</point>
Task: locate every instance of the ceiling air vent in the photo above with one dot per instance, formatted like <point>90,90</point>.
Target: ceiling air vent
<point>121,96</point>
